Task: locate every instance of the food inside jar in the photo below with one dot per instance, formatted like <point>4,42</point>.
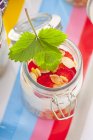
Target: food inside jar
<point>63,74</point>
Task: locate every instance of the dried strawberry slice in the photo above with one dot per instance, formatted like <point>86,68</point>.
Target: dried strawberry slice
<point>45,80</point>
<point>74,70</point>
<point>31,65</point>
<point>67,54</point>
<point>65,71</point>
<point>61,65</point>
<point>69,73</point>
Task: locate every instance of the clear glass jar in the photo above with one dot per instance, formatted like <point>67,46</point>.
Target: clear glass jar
<point>78,2</point>
<point>3,47</point>
<point>53,103</point>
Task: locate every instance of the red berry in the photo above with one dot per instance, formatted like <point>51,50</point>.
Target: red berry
<point>31,65</point>
<point>67,54</point>
<point>74,70</point>
<point>61,65</point>
<point>69,73</point>
<point>45,80</point>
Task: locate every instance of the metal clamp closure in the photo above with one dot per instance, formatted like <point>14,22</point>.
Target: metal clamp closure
<point>54,101</point>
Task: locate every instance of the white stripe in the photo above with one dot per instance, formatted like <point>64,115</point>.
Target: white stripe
<point>82,125</point>
<point>88,114</point>
<point>6,85</point>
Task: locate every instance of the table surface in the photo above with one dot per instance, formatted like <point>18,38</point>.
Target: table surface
<point>16,122</point>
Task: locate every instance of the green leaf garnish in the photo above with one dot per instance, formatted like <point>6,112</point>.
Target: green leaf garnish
<point>42,48</point>
<point>52,36</point>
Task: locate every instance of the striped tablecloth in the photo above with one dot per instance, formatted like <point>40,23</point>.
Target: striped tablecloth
<point>16,123</point>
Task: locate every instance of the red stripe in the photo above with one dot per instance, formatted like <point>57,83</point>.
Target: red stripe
<point>86,43</point>
<point>60,129</point>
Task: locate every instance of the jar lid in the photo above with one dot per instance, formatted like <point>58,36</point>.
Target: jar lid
<point>90,10</point>
<point>39,21</point>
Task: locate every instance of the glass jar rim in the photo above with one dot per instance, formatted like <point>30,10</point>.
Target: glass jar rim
<point>80,63</point>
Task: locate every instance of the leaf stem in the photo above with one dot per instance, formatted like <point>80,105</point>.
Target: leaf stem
<point>28,17</point>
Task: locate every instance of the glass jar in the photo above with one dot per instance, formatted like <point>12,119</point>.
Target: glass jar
<point>53,103</point>
<point>78,2</point>
<point>3,47</point>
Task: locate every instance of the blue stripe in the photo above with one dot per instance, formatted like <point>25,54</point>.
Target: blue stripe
<point>13,112</point>
<point>18,123</point>
<point>25,127</point>
<point>59,7</point>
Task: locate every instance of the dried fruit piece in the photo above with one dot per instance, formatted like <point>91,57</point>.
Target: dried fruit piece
<point>56,79</point>
<point>31,65</point>
<point>55,86</point>
<point>67,54</point>
<point>45,80</point>
<point>36,72</point>
<point>62,51</point>
<point>33,76</point>
<point>44,71</point>
<point>68,62</point>
<point>62,80</point>
<point>61,65</point>
<point>68,73</point>
<point>65,80</point>
<point>74,70</point>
